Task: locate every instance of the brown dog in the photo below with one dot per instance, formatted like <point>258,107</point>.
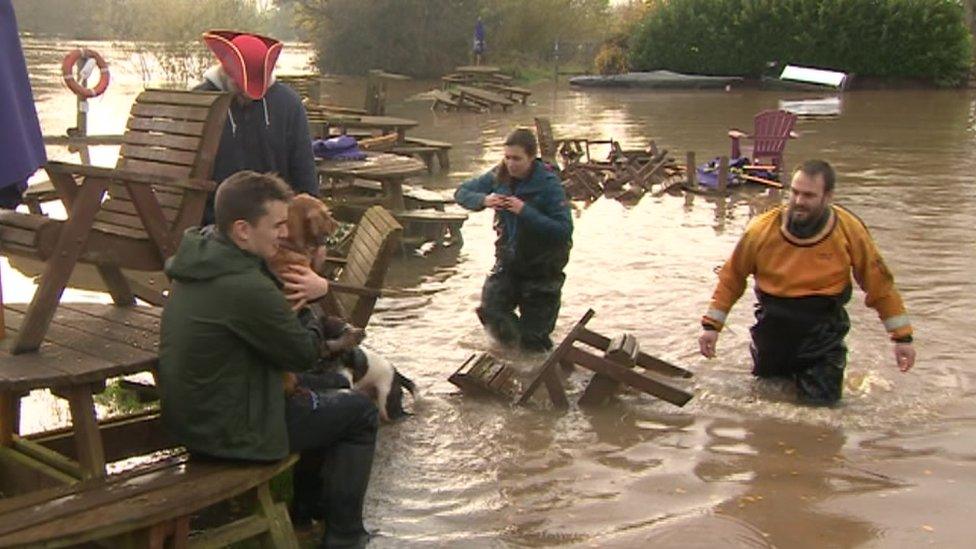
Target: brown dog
<point>309,223</point>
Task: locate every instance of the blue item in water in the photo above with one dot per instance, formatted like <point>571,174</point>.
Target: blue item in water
<point>343,147</point>
<point>708,173</point>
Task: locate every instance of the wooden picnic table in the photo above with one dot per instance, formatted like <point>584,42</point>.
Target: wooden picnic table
<point>384,124</point>
<point>85,345</point>
<point>389,169</point>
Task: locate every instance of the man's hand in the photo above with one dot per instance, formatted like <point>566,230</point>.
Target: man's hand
<point>904,356</point>
<point>302,285</point>
<point>706,343</point>
<point>513,204</point>
<point>495,201</point>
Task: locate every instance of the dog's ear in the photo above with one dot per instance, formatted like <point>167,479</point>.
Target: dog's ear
<point>296,221</point>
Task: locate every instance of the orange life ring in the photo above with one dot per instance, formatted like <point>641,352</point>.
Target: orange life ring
<point>68,72</point>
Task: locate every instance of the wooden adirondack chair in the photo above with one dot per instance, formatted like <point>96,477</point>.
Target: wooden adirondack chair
<point>158,188</point>
<point>772,130</point>
<point>354,292</point>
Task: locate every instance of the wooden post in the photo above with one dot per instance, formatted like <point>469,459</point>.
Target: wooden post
<point>690,169</point>
<point>81,120</point>
<point>723,173</point>
<point>9,417</point>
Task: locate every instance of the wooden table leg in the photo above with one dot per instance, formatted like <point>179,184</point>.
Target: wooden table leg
<point>393,189</point>
<point>9,417</point>
<point>71,242</point>
<point>88,439</point>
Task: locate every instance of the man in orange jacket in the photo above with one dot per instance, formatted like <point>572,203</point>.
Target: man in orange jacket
<point>802,257</point>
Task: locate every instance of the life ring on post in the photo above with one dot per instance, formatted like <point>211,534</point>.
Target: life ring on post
<point>68,73</point>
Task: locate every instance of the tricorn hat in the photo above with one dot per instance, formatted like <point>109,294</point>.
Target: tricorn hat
<point>247,58</point>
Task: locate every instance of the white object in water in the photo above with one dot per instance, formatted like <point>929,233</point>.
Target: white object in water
<point>827,106</point>
<point>813,76</point>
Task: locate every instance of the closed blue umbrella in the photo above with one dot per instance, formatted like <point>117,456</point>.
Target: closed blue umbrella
<point>21,143</point>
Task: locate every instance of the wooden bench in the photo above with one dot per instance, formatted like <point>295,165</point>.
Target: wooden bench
<point>158,189</point>
<point>483,98</point>
<point>449,101</point>
<point>361,273</point>
<point>443,149</point>
<point>514,93</point>
<point>151,506</point>
<point>431,226</point>
<point>425,153</point>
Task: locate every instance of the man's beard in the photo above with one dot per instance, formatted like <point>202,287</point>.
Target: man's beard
<point>811,222</point>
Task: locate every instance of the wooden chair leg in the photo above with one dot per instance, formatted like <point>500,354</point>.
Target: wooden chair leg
<point>280,534</point>
<point>88,439</point>
<point>71,242</point>
<point>9,417</point>
<point>117,284</point>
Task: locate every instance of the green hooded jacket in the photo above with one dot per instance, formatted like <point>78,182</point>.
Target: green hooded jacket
<point>227,335</point>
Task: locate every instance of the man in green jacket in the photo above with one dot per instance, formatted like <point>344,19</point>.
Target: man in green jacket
<point>229,332</point>
<point>535,234</point>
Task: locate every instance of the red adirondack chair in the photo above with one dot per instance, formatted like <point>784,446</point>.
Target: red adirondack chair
<point>772,130</point>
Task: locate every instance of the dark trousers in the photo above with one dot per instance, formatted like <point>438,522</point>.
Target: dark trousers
<point>808,349</point>
<point>537,301</point>
<point>335,434</point>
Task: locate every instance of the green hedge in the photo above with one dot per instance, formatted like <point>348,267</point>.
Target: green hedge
<point>884,38</point>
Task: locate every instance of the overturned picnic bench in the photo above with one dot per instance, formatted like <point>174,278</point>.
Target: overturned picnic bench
<point>158,188</point>
<point>613,366</point>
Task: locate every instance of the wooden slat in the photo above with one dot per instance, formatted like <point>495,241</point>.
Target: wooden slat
<point>165,126</point>
<point>157,154</point>
<point>125,318</point>
<point>175,112</point>
<point>126,207</point>
<point>127,220</point>
<point>20,237</point>
<point>180,142</point>
<point>625,375</point>
<point>644,360</point>
<point>97,338</point>
<point>171,97</point>
<point>118,231</point>
<point>158,168</point>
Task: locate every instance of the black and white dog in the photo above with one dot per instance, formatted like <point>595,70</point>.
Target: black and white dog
<point>373,375</point>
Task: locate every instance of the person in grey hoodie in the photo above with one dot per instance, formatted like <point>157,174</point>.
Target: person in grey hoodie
<point>267,126</point>
<point>229,332</point>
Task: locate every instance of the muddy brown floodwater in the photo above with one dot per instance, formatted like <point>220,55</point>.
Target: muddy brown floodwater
<point>741,465</point>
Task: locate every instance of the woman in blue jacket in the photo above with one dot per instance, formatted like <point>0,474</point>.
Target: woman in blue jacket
<point>535,234</point>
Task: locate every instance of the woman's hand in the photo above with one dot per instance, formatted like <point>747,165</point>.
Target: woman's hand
<point>303,286</point>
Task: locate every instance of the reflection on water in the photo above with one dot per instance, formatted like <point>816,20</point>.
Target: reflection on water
<point>741,465</point>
